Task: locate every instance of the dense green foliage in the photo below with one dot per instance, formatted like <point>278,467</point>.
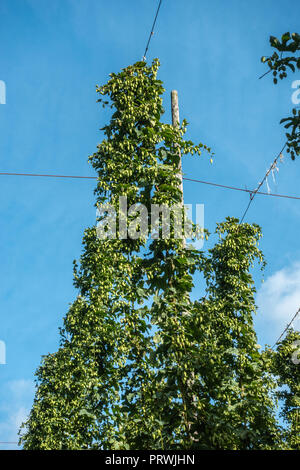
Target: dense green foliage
<point>140,364</point>
<point>279,64</point>
<point>286,367</point>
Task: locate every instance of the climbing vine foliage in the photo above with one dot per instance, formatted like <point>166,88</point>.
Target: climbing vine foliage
<point>140,364</point>
<point>286,58</point>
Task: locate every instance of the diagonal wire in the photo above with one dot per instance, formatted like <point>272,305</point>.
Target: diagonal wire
<point>264,74</point>
<point>8,442</point>
<point>48,176</point>
<point>152,31</point>
<point>210,183</point>
<point>239,189</point>
<point>253,193</point>
<point>287,327</point>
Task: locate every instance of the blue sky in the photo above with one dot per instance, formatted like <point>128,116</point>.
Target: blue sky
<point>52,56</point>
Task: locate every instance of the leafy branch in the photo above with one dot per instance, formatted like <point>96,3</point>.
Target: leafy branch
<point>279,65</point>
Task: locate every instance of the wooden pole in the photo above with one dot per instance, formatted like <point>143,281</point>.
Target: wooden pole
<point>176,123</point>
